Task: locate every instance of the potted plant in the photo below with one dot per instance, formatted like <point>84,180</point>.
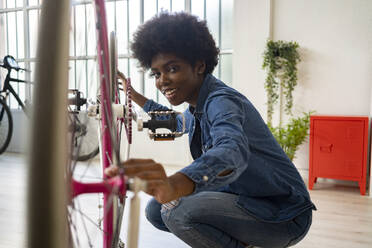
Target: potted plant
<point>280,62</point>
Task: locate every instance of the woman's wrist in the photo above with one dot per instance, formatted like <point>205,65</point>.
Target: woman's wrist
<point>181,184</point>
<point>138,98</point>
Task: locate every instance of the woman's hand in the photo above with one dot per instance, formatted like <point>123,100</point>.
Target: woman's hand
<point>153,173</point>
<point>163,188</point>
<point>136,97</point>
<point>123,80</point>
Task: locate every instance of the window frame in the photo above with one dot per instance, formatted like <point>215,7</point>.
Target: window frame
<point>27,60</point>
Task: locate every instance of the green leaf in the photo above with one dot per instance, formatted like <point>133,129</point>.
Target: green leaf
<point>293,134</point>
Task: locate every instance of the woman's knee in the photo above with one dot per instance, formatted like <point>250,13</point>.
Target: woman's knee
<point>153,214</point>
<point>190,209</point>
<point>179,214</point>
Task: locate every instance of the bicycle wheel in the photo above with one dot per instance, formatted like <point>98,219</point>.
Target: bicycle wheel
<point>85,143</point>
<point>6,126</point>
<point>95,219</point>
<point>112,190</point>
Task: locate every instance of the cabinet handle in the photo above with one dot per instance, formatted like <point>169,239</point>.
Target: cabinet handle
<point>326,148</point>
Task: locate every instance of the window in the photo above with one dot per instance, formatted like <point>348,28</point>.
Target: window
<point>219,17</point>
<point>13,37</point>
<point>19,27</point>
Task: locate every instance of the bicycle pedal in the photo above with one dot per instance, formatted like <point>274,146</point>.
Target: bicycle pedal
<point>162,136</point>
<point>158,121</point>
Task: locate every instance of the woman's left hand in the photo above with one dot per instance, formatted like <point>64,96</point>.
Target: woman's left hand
<point>158,184</point>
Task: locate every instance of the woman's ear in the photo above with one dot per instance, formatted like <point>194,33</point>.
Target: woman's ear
<point>200,67</point>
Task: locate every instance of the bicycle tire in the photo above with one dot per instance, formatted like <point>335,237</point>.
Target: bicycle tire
<point>118,122</point>
<point>85,144</point>
<point>109,137</point>
<point>6,126</point>
<point>89,156</point>
<point>110,151</point>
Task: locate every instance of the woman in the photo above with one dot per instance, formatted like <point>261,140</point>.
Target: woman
<point>241,189</point>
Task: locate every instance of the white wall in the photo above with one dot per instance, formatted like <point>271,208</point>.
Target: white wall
<point>335,75</point>
<point>251,30</point>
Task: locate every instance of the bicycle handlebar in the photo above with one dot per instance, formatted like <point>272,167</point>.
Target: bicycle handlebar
<point>17,69</point>
<point>23,69</point>
<point>10,63</point>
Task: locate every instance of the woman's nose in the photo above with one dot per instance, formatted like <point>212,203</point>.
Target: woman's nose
<point>163,79</point>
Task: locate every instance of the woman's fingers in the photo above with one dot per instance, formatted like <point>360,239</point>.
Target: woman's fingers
<point>146,169</point>
<point>112,171</point>
<point>121,75</point>
<point>157,183</point>
<point>150,175</point>
<point>123,79</point>
<point>138,161</point>
<point>133,170</point>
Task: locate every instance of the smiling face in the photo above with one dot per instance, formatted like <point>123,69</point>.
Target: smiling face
<point>177,79</point>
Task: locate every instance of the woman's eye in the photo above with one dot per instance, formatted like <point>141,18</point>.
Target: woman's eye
<point>173,68</point>
<point>155,74</point>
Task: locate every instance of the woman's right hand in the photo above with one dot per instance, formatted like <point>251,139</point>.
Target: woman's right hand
<point>136,97</point>
<point>123,79</point>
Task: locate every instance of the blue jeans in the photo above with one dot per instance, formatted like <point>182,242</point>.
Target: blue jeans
<point>214,219</point>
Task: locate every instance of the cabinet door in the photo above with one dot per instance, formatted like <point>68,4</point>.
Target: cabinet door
<point>338,148</point>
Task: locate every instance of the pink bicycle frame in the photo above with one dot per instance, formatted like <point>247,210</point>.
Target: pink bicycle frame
<point>109,185</point>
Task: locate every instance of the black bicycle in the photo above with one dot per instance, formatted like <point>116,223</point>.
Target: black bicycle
<point>85,143</point>
<point>6,120</point>
<point>85,139</point>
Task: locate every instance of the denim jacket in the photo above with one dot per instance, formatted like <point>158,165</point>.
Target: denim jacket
<point>234,138</point>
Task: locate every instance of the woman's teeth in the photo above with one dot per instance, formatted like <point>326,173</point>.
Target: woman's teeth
<point>169,92</point>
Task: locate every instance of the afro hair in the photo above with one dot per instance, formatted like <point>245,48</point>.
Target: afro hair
<point>180,34</point>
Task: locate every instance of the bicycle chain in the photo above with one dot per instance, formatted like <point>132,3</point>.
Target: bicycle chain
<point>129,115</point>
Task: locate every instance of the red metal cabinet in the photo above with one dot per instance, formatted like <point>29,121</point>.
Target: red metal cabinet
<point>338,149</point>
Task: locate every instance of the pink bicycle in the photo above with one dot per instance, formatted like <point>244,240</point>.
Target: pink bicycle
<point>54,209</point>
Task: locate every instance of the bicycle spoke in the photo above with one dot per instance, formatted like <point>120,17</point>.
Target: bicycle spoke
<point>108,157</point>
<point>85,227</point>
<point>87,167</point>
<point>89,219</point>
<point>72,224</point>
<point>118,224</point>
